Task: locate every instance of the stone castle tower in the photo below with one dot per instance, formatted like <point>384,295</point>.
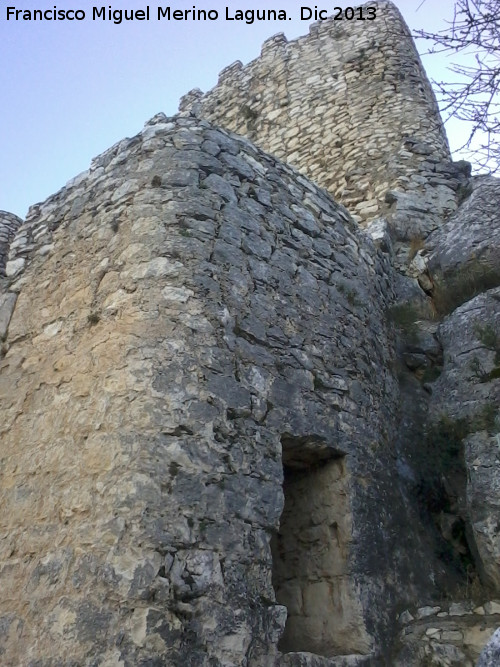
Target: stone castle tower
<point>223,384</point>
<point>350,106</point>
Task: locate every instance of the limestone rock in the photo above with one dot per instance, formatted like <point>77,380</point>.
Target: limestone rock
<point>490,657</point>
<point>482,458</point>
<point>466,412</point>
<point>463,257</point>
<point>7,304</point>
<point>469,383</point>
<point>471,238</point>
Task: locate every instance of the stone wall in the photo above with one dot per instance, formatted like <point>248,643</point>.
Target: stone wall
<point>351,107</point>
<point>451,634</point>
<point>197,351</point>
<point>187,310</point>
<point>9,223</point>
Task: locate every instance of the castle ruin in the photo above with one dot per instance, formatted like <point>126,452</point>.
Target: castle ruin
<point>250,404</point>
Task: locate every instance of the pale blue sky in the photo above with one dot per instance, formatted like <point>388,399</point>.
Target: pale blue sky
<point>69,90</point>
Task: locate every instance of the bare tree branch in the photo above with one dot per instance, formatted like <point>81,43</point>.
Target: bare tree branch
<point>475,95</point>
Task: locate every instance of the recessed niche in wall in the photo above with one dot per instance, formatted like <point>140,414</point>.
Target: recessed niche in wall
<point>311,551</point>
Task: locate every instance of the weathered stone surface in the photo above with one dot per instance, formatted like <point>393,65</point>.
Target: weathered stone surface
<point>470,338</point>
<point>470,240</point>
<point>304,659</point>
<point>448,639</point>
<point>466,411</point>
<point>232,435</point>
<point>190,342</point>
<point>9,223</point>
<point>482,458</point>
<point>359,118</point>
<point>490,657</point>
<point>7,303</point>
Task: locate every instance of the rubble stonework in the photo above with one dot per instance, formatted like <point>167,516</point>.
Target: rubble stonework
<point>210,322</point>
<point>237,429</point>
<point>452,634</point>
<point>8,227</point>
<point>350,105</point>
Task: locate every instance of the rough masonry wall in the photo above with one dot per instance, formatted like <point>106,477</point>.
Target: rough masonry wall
<point>191,316</point>
<point>9,223</point>
<point>351,107</point>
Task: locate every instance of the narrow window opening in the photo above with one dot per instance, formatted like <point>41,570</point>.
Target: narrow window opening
<point>310,553</point>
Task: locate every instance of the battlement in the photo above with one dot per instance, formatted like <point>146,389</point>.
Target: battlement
<point>274,44</point>
<point>346,104</point>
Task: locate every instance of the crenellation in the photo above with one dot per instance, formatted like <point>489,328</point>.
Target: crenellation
<point>189,100</point>
<point>275,46</point>
<point>230,74</point>
<point>377,92</point>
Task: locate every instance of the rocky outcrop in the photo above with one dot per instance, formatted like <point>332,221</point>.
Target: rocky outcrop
<point>469,379</point>
<point>459,474</point>
<point>471,238</point>
<point>462,258</point>
<point>469,391</point>
<point>483,500</point>
<point>468,396</point>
